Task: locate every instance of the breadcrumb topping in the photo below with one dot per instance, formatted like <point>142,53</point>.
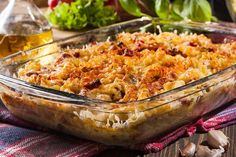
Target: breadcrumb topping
<point>133,67</point>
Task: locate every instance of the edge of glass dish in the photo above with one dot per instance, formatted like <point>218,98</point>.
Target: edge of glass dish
<point>64,97</point>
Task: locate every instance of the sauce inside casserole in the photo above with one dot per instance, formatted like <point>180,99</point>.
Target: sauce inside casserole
<point>133,67</point>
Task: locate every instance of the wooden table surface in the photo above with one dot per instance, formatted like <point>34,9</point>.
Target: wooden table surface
<point>173,149</point>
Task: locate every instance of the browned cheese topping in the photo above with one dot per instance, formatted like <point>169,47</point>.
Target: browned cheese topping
<point>133,67</point>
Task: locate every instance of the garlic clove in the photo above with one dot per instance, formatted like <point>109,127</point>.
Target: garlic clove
<point>204,151</point>
<point>217,152</point>
<point>188,150</point>
<point>216,138</point>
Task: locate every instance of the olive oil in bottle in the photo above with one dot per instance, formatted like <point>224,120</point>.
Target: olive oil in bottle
<point>10,44</point>
<point>22,27</point>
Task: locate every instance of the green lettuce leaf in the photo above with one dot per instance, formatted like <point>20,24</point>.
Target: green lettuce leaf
<point>196,10</point>
<point>131,7</point>
<point>82,13</point>
<point>162,8</point>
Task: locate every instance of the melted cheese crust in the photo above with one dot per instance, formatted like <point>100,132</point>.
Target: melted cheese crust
<point>133,67</point>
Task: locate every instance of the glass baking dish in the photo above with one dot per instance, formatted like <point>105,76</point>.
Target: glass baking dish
<point>116,123</point>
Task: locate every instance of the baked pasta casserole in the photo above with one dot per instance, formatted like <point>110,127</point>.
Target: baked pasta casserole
<point>121,84</point>
<point>135,66</point>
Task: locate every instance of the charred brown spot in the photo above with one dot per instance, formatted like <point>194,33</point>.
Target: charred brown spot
<point>76,54</point>
<point>102,51</point>
<point>32,73</point>
<point>193,44</point>
<point>174,52</point>
<point>153,47</point>
<point>112,96</point>
<point>140,43</point>
<point>154,86</point>
<point>94,84</point>
<point>65,55</point>
<point>122,49</point>
<point>75,74</point>
<point>122,93</point>
<point>120,44</point>
<point>126,52</point>
<point>156,77</point>
<point>163,80</point>
<point>172,75</point>
<point>168,64</point>
<point>141,46</point>
<point>86,69</point>
<point>132,79</point>
<point>210,49</point>
<point>62,57</point>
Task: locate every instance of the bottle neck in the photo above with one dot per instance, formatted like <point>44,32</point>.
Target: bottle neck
<point>19,3</point>
<point>22,16</point>
<point>22,2</point>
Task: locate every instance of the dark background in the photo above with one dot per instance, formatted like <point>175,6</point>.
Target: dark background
<point>220,10</point>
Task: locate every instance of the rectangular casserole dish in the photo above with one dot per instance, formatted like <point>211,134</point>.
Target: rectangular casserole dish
<point>116,123</point>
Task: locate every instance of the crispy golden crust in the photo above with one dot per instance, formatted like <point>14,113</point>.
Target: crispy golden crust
<point>134,67</point>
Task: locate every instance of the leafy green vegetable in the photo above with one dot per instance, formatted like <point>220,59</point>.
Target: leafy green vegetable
<point>82,13</point>
<point>201,10</point>
<point>131,7</point>
<point>162,8</point>
<point>103,17</point>
<point>177,8</point>
<point>196,10</point>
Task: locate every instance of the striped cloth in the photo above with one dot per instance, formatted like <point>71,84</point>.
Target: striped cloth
<point>20,138</point>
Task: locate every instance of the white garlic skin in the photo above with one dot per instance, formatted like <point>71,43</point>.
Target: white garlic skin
<point>205,151</point>
<point>217,139</point>
<point>188,150</point>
